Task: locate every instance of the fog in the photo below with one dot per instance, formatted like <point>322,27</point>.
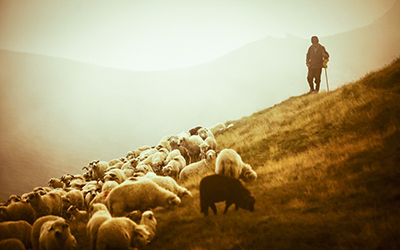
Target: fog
<point>59,112</point>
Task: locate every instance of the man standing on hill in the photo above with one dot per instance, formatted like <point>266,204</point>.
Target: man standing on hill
<point>316,55</point>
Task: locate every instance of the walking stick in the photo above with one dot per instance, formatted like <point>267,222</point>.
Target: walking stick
<point>325,65</point>
<point>326,75</point>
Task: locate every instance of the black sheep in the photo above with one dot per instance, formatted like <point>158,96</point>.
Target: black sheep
<point>217,188</point>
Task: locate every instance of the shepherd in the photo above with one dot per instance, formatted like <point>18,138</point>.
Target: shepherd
<point>316,59</point>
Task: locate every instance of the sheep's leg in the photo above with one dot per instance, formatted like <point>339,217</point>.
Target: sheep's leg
<point>213,208</point>
<point>227,205</point>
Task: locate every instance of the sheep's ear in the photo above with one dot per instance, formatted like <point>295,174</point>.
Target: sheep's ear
<point>50,228</point>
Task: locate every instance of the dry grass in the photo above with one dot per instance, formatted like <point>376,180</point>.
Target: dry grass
<point>328,175</point>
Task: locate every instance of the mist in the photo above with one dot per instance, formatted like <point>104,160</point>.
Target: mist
<point>59,114</point>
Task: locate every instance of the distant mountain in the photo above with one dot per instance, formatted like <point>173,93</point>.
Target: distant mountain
<point>57,115</point>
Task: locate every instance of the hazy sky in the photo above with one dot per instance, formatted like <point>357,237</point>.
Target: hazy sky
<point>160,34</point>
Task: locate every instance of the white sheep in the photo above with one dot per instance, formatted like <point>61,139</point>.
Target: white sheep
<point>174,167</point>
<point>171,155</point>
<point>20,230</point>
<point>89,197</point>
<point>97,169</point>
<point>77,214</point>
<point>149,221</point>
<point>35,234</point>
<point>116,174</point>
<point>78,221</point>
<point>17,211</point>
<point>248,174</point>
<point>143,168</point>
<point>121,233</point>
<point>164,143</point>
<point>182,150</point>
<point>201,168</point>
<point>109,185</point>
<point>205,133</point>
<point>98,215</point>
<point>192,144</point>
<point>117,161</point>
<point>56,235</point>
<point>140,195</point>
<point>230,163</point>
<point>132,163</point>
<point>169,184</point>
<point>55,183</point>
<point>11,244</point>
<point>73,197</point>
<point>209,144</point>
<point>217,127</point>
<point>158,158</point>
<point>48,204</point>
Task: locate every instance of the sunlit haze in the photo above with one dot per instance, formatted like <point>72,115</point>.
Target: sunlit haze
<point>156,34</point>
<point>92,80</point>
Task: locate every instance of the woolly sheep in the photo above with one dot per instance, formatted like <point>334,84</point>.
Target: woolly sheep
<point>217,127</point>
<point>192,144</point>
<point>164,143</point>
<point>11,244</point>
<point>130,164</point>
<point>35,234</point>
<point>158,159</point>
<point>76,214</point>
<point>89,197</point>
<point>78,221</point>
<point>117,175</point>
<point>169,184</point>
<point>209,144</point>
<point>229,163</point>
<point>98,215</point>
<point>74,197</point>
<point>183,151</point>
<point>13,198</point>
<point>248,174</point>
<point>149,221</point>
<point>141,195</point>
<point>143,168</point>
<point>100,198</point>
<point>56,235</point>
<point>97,169</point>
<point>121,233</point>
<point>147,153</point>
<point>174,167</point>
<point>174,153</point>
<point>116,161</point>
<point>17,211</point>
<point>109,185</point>
<point>48,204</point>
<point>199,169</point>
<point>20,230</point>
<point>205,133</point>
<point>55,183</point>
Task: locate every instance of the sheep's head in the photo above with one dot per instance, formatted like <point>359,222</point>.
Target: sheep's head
<point>110,177</point>
<point>65,201</point>
<point>167,170</point>
<point>141,236</point>
<point>72,209</point>
<point>211,155</point>
<point>32,196</point>
<point>13,198</point>
<point>59,227</point>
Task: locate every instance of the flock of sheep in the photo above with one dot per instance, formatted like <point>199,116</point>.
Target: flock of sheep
<point>112,203</point>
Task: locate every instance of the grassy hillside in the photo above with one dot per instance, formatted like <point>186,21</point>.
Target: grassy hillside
<point>329,175</point>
